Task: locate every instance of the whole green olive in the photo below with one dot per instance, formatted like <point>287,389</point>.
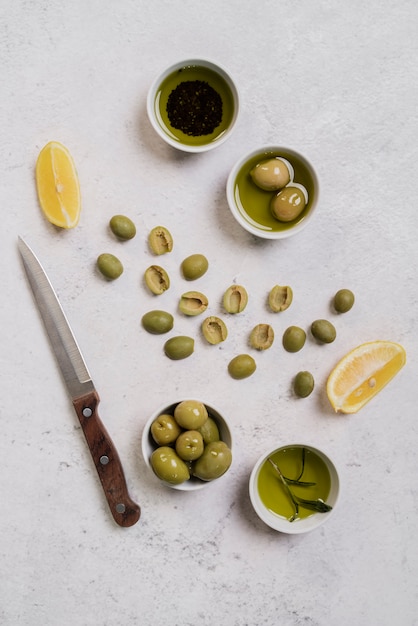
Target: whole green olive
<point>122,227</point>
<point>288,204</point>
<point>190,414</point>
<point>303,384</point>
<point>164,429</point>
<point>179,347</point>
<point>271,174</point>
<point>194,266</point>
<point>214,462</point>
<point>209,431</point>
<point>168,466</point>
<point>293,339</point>
<point>157,322</point>
<point>109,265</point>
<point>323,331</point>
<point>189,445</point>
<point>242,366</point>
<point>343,300</point>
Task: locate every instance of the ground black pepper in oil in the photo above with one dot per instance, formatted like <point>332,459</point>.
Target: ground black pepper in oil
<point>195,108</point>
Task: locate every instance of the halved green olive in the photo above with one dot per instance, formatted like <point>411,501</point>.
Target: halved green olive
<point>235,299</point>
<point>157,279</point>
<point>160,240</point>
<point>280,298</point>
<point>193,303</point>
<point>262,337</point>
<point>214,330</point>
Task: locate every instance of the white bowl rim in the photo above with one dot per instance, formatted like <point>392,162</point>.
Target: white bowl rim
<point>267,234</point>
<point>306,524</point>
<point>204,62</point>
<point>145,443</point>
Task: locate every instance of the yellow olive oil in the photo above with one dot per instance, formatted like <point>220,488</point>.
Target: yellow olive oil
<point>254,203</point>
<point>273,493</point>
<point>194,73</point>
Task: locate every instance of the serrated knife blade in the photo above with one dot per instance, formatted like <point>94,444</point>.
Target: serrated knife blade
<point>81,389</point>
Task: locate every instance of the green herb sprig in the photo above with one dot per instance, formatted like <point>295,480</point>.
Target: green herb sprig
<point>319,506</point>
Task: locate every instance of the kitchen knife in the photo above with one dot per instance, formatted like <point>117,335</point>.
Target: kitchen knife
<point>82,391</point>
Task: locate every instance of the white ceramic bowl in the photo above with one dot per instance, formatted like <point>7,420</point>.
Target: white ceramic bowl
<point>280,523</point>
<point>193,69</point>
<point>250,205</point>
<point>149,445</point>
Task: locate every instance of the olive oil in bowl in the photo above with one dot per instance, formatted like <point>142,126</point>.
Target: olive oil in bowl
<point>193,105</point>
<point>250,205</point>
<point>294,489</point>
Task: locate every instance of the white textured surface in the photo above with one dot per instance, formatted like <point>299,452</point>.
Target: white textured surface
<point>337,81</point>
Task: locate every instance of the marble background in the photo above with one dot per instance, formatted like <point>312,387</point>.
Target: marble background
<point>337,81</point>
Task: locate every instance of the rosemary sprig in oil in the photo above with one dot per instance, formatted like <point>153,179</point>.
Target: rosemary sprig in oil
<point>319,506</point>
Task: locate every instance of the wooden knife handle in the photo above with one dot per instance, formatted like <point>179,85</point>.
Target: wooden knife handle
<point>106,459</point>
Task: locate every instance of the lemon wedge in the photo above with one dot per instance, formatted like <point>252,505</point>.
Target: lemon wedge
<point>58,186</point>
<point>362,373</point>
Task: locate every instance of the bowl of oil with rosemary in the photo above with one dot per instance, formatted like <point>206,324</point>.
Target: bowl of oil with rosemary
<point>193,105</point>
<point>294,488</point>
<point>273,192</point>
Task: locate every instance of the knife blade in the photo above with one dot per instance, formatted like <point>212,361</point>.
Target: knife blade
<point>82,391</point>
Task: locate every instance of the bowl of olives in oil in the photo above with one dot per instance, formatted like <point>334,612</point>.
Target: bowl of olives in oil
<point>187,444</point>
<point>273,192</point>
<point>294,488</point>
<point>193,105</point>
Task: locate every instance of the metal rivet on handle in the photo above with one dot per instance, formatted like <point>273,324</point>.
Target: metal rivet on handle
<point>87,412</point>
<point>104,460</point>
<point>120,508</point>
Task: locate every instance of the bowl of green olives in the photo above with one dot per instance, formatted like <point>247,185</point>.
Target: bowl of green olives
<point>193,105</point>
<point>187,444</point>
<point>273,192</point>
<point>294,488</point>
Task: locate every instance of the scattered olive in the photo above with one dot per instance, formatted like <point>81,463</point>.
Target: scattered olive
<point>165,430</point>
<point>303,384</point>
<point>214,462</point>
<point>160,240</point>
<point>271,174</point>
<point>157,279</point>
<point>168,466</point>
<point>242,366</point>
<point>262,337</point>
<point>109,266</point>
<point>235,299</point>
<point>157,322</point>
<point>214,330</point>
<point>194,266</point>
<point>179,347</point>
<point>294,339</point>
<point>288,204</point>
<point>193,303</point>
<point>323,331</point>
<point>280,298</point>
<point>189,445</point>
<point>191,414</point>
<point>343,300</point>
<point>122,227</point>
